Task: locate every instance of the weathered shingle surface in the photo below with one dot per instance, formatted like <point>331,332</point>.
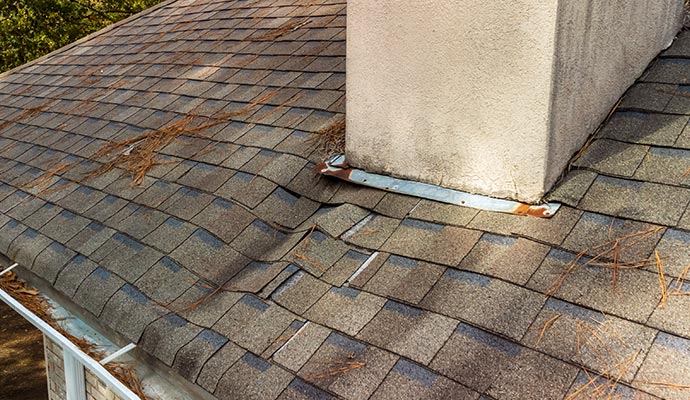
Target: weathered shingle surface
<point>237,266</point>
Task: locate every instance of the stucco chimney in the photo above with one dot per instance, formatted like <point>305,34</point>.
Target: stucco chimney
<point>491,97</point>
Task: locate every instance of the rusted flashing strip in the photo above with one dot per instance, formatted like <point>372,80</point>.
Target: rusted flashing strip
<point>337,167</point>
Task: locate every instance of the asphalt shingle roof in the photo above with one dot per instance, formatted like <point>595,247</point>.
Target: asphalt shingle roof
<point>329,290</point>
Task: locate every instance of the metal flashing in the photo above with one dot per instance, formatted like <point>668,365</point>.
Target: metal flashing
<point>338,167</point>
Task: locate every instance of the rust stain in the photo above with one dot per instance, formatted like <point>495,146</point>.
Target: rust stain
<point>526,209</point>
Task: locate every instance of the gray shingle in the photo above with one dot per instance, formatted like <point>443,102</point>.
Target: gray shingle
<point>509,258</point>
<point>252,377</point>
<point>297,350</point>
<point>358,383</point>
<point>345,309</point>
<point>253,323</point>
<point>218,364</point>
<point>637,292</point>
<point>643,128</point>
<point>490,303</point>
<point>666,349</point>
<point>404,278</point>
<point>129,312</point>
<point>612,157</point>
<point>165,281</point>
<point>589,338</point>
<point>644,201</point>
<point>431,242</point>
<point>408,331</point>
<point>407,380</point>
<point>164,337</point>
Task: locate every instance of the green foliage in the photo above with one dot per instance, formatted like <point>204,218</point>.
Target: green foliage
<point>32,28</point>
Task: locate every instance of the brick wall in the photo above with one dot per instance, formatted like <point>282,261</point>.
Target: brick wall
<point>95,388</point>
<point>54,370</point>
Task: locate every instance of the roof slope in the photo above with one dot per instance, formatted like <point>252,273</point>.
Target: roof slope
<point>231,244</point>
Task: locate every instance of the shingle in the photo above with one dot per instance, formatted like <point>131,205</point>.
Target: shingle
<point>73,275</point>
<point>672,317</point>
<point>301,390</point>
<point>431,242</point>
<point>191,358</point>
<point>523,379</point>
<point>263,136</point>
<point>165,281</point>
<point>666,350</point>
<point>299,348</point>
<point>157,193</point>
<point>209,257</point>
<point>164,337</point>
<point>263,242</point>
<point>64,226</point>
<point>218,364</point>
<point>447,214</point>
<point>124,187</point>
<point>105,208</point>
<point>612,157</point>
<point>217,215</point>
<point>186,203</point>
<point>90,238</point>
<point>358,195</point>
<point>637,292</point>
<point>679,103</point>
<point>647,96</point>
<point>345,309</point>
<point>475,358</point>
<point>15,198</point>
<point>97,289</point>
<point>136,221</point>
<point>644,201</point>
<point>170,234</point>
<point>255,276</point>
<point>26,208</point>
<point>253,323</point>
<point>345,268</point>
<point>127,257</point>
<point>372,231</point>
<point>51,261</point>
<point>408,331</point>
<point>247,189</point>
<point>404,278</point>
<point>509,258</point>
<point>252,377</point>
<point>300,292</point>
<point>643,128</point>
<point>358,383</point>
<point>490,303</point>
<point>206,177</point>
<point>594,231</point>
<point>335,220</point>
<point>664,165</point>
<point>668,70</point>
<point>26,247</point>
<point>42,216</point>
<point>289,332</point>
<point>313,185</point>
<point>317,253</point>
<point>203,304</point>
<point>573,187</point>
<point>129,312</point>
<point>552,230</point>
<point>407,380</point>
<point>589,338</point>
<point>81,199</point>
<point>587,385</point>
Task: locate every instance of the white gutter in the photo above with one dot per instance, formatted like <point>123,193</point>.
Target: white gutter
<point>74,358</point>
